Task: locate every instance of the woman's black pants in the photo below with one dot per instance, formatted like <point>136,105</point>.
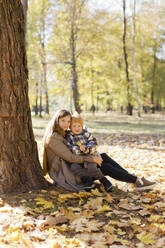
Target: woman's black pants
<point>110,168</point>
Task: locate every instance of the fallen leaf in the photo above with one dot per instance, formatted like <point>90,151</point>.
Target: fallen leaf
<point>53,221</point>
<point>102,209</point>
<point>45,204</point>
<point>146,238</point>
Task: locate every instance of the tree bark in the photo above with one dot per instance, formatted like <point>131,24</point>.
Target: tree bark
<point>153,81</point>
<point>74,80</point>
<point>129,105</point>
<point>43,56</point>
<point>134,58</point>
<point>25,8</point>
<point>19,164</point>
<point>36,99</point>
<point>41,87</point>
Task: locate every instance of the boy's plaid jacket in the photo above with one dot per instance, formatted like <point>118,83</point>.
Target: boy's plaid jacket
<point>85,138</point>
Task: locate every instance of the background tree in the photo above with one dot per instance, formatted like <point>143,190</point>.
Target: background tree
<point>19,165</point>
<point>85,46</point>
<point>134,56</point>
<point>129,104</point>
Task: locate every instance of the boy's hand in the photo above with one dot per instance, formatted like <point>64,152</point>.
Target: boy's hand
<point>82,148</point>
<point>87,150</point>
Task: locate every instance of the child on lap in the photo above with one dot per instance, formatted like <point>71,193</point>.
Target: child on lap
<point>81,142</point>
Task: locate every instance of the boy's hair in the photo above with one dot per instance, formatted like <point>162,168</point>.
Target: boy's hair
<point>77,118</point>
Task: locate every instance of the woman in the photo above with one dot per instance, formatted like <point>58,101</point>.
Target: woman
<point>57,157</point>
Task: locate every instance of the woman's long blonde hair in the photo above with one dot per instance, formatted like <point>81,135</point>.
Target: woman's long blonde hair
<point>53,123</point>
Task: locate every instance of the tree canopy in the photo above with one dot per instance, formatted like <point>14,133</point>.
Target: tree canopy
<point>98,53</point>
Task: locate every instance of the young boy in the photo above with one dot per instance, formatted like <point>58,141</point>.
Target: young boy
<point>81,142</point>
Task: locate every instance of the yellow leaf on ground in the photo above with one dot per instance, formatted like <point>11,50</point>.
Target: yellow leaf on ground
<point>103,209</point>
<point>108,198</point>
<point>96,192</point>
<point>136,221</point>
<point>53,192</point>
<point>108,228</point>
<point>146,238</point>
<point>94,203</point>
<point>155,218</point>
<point>45,204</point>
<point>54,244</point>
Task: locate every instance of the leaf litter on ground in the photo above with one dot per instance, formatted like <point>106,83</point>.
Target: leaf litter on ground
<point>123,218</point>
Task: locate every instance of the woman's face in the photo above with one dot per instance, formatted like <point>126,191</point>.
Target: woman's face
<point>64,122</point>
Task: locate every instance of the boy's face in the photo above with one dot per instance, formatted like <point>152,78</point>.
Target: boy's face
<point>76,128</point>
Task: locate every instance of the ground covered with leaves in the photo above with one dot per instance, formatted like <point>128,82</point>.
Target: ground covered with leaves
<point>124,218</point>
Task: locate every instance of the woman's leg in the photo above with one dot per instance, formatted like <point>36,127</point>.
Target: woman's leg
<point>108,159</point>
<point>110,168</point>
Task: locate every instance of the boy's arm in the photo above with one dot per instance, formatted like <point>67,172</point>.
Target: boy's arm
<point>92,142</point>
<point>73,148</point>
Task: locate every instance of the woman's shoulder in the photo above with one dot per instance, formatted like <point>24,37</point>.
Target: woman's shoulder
<point>55,137</point>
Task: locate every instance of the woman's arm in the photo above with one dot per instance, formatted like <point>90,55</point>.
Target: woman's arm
<point>56,144</point>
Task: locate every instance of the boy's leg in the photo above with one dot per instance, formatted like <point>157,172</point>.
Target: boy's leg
<point>82,173</point>
<point>78,170</point>
<point>106,183</point>
<point>93,171</point>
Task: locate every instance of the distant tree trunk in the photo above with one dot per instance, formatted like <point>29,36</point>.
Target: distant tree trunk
<point>134,58</point>
<point>153,81</point>
<point>92,84</point>
<point>36,100</point>
<point>129,105</point>
<point>19,164</point>
<point>74,70</point>
<point>41,83</point>
<point>158,104</point>
<point>45,87</point>
<point>43,57</point>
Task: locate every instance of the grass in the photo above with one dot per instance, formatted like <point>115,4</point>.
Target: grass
<point>113,122</point>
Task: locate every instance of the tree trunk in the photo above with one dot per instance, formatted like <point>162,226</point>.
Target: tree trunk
<point>43,56</point>
<point>74,71</point>
<point>19,164</point>
<point>44,63</point>
<point>41,79</point>
<point>134,58</point>
<point>129,106</point>
<point>36,100</point>
<point>153,82</point>
<point>25,8</point>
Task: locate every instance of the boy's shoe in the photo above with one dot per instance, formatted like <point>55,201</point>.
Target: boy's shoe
<point>143,184</point>
<point>107,184</point>
<point>88,183</point>
<point>90,186</point>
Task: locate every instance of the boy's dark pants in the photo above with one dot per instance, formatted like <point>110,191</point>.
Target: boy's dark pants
<point>91,170</point>
<point>110,168</point>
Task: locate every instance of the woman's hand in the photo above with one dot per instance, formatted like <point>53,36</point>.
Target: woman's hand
<point>98,160</point>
